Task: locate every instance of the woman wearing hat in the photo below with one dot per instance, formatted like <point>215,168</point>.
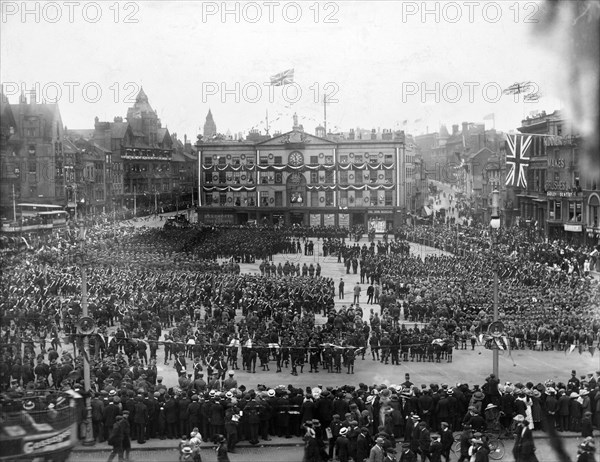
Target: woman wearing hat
<point>524,448</point>
<point>586,450</point>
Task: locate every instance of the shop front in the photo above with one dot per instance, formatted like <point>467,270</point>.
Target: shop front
<point>380,220</point>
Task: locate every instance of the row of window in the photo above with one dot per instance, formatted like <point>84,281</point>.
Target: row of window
<point>141,188</point>
<point>297,198</point>
<point>323,177</point>
<point>555,210</point>
<point>148,167</point>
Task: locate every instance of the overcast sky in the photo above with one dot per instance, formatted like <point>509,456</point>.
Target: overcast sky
<point>375,59</point>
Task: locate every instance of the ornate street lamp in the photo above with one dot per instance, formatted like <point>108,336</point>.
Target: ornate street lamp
<point>496,327</point>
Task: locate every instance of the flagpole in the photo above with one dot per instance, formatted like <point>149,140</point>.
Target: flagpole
<point>267,120</point>
<point>325,113</point>
<point>14,203</point>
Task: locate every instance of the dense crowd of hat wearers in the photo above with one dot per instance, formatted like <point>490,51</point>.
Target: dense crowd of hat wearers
<point>161,292</point>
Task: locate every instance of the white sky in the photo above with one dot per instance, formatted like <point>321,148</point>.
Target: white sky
<point>374,56</point>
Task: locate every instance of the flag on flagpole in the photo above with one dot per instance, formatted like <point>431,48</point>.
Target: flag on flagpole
<point>517,159</point>
<point>283,78</point>
<point>489,116</point>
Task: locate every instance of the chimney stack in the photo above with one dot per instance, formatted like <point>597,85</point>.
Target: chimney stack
<point>373,134</point>
<point>33,96</point>
<point>454,129</point>
<point>465,128</point>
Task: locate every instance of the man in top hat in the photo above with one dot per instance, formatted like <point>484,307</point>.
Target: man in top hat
<point>573,384</point>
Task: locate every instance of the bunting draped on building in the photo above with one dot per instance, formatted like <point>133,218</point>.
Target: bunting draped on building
<point>362,187</point>
<point>367,165</point>
<point>517,159</point>
<point>363,166</point>
<point>228,167</point>
<point>228,188</point>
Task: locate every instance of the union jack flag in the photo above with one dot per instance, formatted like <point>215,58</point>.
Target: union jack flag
<point>283,78</point>
<point>517,159</point>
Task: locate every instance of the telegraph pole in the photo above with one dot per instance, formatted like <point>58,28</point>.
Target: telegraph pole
<point>495,225</point>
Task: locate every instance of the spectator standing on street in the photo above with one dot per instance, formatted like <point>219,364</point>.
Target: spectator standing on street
<point>341,289</point>
<point>524,448</point>
<point>222,449</point>
<point>116,439</point>
<point>370,293</point>
<point>357,291</point>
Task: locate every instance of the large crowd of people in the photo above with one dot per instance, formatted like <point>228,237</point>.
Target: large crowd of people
<point>163,296</point>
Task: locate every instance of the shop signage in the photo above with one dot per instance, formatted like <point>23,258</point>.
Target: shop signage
<point>560,193</point>
<point>556,163</point>
<point>315,219</point>
<point>48,444</point>
<point>378,212</point>
<point>574,228</point>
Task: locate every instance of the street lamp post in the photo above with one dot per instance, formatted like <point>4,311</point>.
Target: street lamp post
<point>495,225</point>
<point>89,434</point>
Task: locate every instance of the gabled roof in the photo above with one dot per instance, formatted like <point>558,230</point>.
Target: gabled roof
<point>294,137</point>
<point>178,157</point>
<point>163,133</point>
<point>48,112</point>
<point>473,155</point>
<point>69,147</point>
<point>100,148</point>
<point>6,113</point>
<point>118,129</point>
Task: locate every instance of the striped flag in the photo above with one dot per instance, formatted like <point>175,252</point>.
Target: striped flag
<point>517,159</point>
<point>283,78</point>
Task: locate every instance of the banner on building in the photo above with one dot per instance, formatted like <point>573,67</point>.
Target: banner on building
<point>344,220</point>
<point>315,219</point>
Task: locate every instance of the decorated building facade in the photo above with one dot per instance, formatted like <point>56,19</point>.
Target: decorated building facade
<point>299,178</point>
